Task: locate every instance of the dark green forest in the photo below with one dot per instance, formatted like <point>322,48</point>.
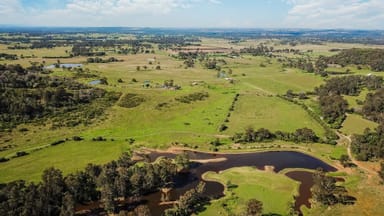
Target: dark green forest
<point>31,94</point>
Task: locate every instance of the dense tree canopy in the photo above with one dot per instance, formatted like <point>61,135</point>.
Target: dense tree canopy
<point>28,93</point>
<point>372,57</point>
<point>58,195</point>
<point>326,192</point>
<point>369,145</point>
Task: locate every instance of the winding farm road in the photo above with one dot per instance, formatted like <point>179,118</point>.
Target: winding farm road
<point>352,158</point>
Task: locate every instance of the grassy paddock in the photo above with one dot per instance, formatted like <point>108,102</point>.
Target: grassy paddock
<point>356,124</point>
<point>276,191</point>
<point>270,112</point>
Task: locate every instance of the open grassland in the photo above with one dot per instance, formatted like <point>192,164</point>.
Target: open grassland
<point>276,191</point>
<point>269,75</point>
<point>271,113</point>
<point>69,157</point>
<point>160,120</point>
<point>356,124</point>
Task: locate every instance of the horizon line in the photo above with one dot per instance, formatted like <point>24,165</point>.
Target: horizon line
<point>193,28</point>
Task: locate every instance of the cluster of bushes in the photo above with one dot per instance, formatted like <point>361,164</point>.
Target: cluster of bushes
<point>58,142</point>
<point>260,50</point>
<point>223,126</point>
<point>131,100</point>
<point>304,64</point>
<point>3,159</point>
<point>304,135</point>
<point>214,63</point>
<point>160,106</point>
<point>114,181</point>
<point>326,192</point>
<point>197,96</point>
<point>8,56</point>
<point>101,60</point>
<point>83,49</point>
<point>99,139</point>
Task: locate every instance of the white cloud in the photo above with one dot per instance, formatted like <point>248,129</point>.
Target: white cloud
<point>9,7</point>
<point>131,6</point>
<point>364,14</point>
<point>96,12</point>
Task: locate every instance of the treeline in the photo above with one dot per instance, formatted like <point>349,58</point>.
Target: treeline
<point>332,105</point>
<point>111,183</point>
<point>370,145</point>
<point>330,135</point>
<point>83,50</point>
<point>371,57</point>
<point>373,107</point>
<point>190,202</point>
<point>260,50</point>
<point>28,94</point>
<point>101,60</point>
<point>190,58</point>
<point>350,85</point>
<point>8,56</point>
<point>250,135</point>
<point>326,192</point>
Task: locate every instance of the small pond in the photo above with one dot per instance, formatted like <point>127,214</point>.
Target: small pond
<point>66,65</point>
<point>278,159</point>
<point>95,82</point>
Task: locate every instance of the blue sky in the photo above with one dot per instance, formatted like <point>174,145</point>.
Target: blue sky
<point>349,14</point>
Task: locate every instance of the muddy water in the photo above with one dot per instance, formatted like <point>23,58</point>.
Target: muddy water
<point>306,182</point>
<point>278,159</point>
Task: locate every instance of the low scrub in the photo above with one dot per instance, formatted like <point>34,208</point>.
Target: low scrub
<point>197,96</point>
<point>131,100</point>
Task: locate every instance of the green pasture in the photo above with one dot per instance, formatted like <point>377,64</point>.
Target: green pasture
<point>275,191</point>
<point>195,124</point>
<point>272,113</point>
<point>356,124</point>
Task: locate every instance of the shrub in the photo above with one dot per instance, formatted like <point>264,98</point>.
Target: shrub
<point>21,154</point>
<point>57,142</point>
<point>99,138</point>
<point>77,138</point>
<point>3,159</point>
<point>131,100</point>
<point>197,96</point>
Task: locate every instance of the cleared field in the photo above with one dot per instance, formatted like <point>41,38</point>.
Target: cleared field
<point>355,124</point>
<point>161,120</point>
<point>276,191</point>
<point>271,113</point>
<point>69,157</point>
<point>193,124</point>
<point>271,76</point>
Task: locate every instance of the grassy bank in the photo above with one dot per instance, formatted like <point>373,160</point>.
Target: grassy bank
<point>276,191</point>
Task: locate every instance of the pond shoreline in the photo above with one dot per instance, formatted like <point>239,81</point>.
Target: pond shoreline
<point>283,162</point>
